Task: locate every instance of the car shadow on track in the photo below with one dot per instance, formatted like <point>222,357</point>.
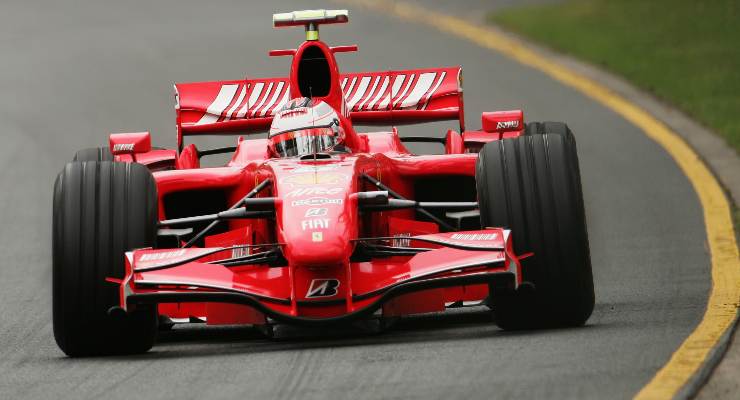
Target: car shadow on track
<point>454,325</point>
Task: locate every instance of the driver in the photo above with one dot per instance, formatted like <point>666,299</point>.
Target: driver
<point>303,127</point>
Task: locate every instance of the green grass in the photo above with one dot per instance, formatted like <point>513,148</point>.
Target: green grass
<point>685,52</point>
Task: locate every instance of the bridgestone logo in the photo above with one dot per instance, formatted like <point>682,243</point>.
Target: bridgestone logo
<point>473,237</point>
<point>507,124</point>
<point>123,147</point>
<point>322,288</point>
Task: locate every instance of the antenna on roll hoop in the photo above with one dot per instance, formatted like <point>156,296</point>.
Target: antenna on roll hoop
<point>311,19</point>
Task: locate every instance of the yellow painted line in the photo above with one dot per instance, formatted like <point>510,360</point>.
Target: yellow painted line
<point>725,294</point>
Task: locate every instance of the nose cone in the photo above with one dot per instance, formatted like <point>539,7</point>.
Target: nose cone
<point>316,220</point>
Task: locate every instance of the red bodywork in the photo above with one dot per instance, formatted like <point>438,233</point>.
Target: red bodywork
<point>318,226</point>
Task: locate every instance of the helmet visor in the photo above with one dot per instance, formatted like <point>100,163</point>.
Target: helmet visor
<point>304,142</point>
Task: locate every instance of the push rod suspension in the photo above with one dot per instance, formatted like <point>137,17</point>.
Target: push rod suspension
<point>262,185</point>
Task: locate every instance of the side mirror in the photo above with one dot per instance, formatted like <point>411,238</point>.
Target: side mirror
<point>503,121</point>
<point>130,143</point>
<point>335,127</point>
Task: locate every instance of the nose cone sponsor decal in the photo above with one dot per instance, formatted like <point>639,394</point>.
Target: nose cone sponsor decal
<point>313,191</point>
<point>316,201</point>
<point>315,223</point>
<point>315,168</point>
<point>318,178</point>
<point>314,220</point>
<point>316,212</point>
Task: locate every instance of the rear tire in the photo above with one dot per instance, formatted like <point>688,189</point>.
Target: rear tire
<point>93,154</point>
<point>101,210</point>
<point>531,185</point>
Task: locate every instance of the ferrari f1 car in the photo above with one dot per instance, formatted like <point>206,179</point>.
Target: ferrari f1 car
<point>318,223</point>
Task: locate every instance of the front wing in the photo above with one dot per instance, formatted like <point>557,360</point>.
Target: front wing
<point>321,295</point>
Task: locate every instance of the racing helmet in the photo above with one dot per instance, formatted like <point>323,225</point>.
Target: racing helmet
<point>304,126</point>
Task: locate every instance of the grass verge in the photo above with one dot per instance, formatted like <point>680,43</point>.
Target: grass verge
<point>685,52</point>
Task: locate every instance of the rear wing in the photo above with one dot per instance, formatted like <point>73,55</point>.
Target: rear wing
<point>402,97</point>
<point>373,98</point>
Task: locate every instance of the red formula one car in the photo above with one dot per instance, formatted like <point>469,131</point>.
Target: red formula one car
<point>318,223</point>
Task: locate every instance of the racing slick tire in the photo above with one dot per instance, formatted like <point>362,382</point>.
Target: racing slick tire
<point>531,184</point>
<point>540,128</point>
<point>93,154</point>
<point>101,210</point>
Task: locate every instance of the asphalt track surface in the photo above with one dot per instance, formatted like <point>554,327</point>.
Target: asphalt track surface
<point>73,72</point>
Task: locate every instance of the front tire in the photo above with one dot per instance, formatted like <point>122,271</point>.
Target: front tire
<point>93,154</point>
<point>101,210</point>
<point>531,185</point>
